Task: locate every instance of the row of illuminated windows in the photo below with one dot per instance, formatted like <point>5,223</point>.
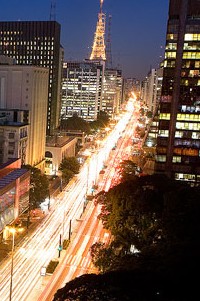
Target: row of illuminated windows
<point>10,33</point>
<point>188,126</point>
<point>28,43</point>
<point>180,134</point>
<point>75,89</point>
<point>186,64</point>
<point>188,117</point>
<point>186,55</point>
<point>186,82</point>
<point>171,46</point>
<point>191,117</point>
<point>190,109</point>
<point>192,37</point>
<point>187,177</point>
<point>170,54</point>
<point>188,36</point>
<point>193,46</point>
<point>187,46</point>
<point>26,60</point>
<point>34,57</point>
<point>191,55</point>
<point>192,73</point>
<point>181,151</point>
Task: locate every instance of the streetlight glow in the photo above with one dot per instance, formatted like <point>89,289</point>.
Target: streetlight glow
<point>12,230</point>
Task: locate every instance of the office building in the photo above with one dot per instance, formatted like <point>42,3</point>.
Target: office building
<point>37,43</point>
<point>151,89</point>
<point>178,141</point>
<point>112,96</point>
<point>82,89</point>
<point>25,88</point>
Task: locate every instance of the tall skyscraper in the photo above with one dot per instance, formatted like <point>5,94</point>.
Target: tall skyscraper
<point>37,43</point>
<point>178,141</point>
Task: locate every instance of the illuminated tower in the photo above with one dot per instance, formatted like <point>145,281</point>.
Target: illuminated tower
<point>98,48</point>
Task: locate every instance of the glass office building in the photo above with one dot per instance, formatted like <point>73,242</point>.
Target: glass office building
<point>178,141</point>
<point>37,43</point>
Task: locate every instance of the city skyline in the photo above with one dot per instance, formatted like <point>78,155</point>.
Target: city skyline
<point>138,30</point>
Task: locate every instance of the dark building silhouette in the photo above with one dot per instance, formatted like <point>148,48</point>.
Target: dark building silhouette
<point>37,43</point>
<point>178,141</point>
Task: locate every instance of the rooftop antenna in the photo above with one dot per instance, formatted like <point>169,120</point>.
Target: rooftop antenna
<point>108,45</point>
<point>53,10</point>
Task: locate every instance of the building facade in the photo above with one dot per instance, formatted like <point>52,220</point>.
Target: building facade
<point>37,43</point>
<point>178,141</point>
<point>58,148</point>
<point>151,89</point>
<point>14,191</point>
<point>26,88</point>
<point>112,96</point>
<point>13,136</point>
<point>82,89</point>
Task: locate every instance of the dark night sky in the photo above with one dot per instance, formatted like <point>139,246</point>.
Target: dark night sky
<point>138,28</point>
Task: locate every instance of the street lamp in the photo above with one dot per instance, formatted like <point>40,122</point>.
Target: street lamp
<point>12,230</point>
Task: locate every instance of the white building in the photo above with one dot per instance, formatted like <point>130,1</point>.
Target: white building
<point>13,136</point>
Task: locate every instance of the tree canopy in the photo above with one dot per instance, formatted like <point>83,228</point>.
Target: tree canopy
<point>150,210</point>
<point>39,186</point>
<point>69,167</point>
<point>160,218</point>
<point>101,122</point>
<point>75,123</point>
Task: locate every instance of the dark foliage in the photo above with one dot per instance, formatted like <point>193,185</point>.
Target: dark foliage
<point>135,285</point>
<point>75,123</point>
<point>161,218</point>
<point>39,186</point>
<point>101,122</point>
<point>69,167</point>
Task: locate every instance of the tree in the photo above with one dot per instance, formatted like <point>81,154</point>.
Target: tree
<point>75,123</point>
<point>39,186</point>
<point>101,122</point>
<point>159,215</point>
<point>128,170</point>
<point>67,175</point>
<point>70,163</point>
<point>133,285</point>
<point>152,213</point>
<point>69,167</point>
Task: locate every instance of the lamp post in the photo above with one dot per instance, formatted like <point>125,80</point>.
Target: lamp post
<point>12,230</point>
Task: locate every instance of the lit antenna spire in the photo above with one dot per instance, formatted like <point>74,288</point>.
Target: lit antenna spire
<point>101,5</point>
<point>108,45</point>
<point>98,48</point>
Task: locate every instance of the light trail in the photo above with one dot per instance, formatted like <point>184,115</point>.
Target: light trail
<point>42,246</point>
